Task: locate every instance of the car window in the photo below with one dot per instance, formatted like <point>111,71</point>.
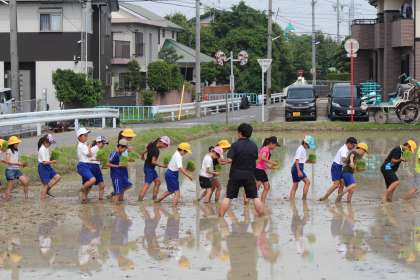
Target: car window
<point>344,91</point>
<point>300,93</point>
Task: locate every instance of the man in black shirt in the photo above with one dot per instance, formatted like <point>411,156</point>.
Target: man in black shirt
<point>243,154</point>
<point>391,165</point>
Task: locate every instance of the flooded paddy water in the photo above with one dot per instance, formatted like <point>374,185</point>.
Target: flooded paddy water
<point>61,239</point>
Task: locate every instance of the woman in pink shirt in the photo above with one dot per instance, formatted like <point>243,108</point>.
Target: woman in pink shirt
<point>264,163</point>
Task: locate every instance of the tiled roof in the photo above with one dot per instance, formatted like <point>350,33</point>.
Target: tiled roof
<point>187,53</point>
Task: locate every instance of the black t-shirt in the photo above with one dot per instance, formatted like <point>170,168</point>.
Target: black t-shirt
<point>396,153</point>
<point>244,154</point>
<point>152,151</point>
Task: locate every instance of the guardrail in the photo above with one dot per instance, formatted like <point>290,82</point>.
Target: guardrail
<point>39,118</point>
<point>149,113</point>
<point>252,97</point>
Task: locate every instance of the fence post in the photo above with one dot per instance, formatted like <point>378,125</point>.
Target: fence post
<point>217,109</point>
<point>172,116</point>
<point>205,111</point>
<point>76,124</point>
<point>38,129</point>
<point>103,122</point>
<point>114,123</point>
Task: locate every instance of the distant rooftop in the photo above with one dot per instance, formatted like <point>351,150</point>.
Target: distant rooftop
<point>147,17</point>
<point>187,53</point>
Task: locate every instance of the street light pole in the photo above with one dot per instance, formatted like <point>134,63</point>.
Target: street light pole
<point>197,57</point>
<point>262,95</point>
<point>14,58</point>
<point>269,47</point>
<point>313,45</point>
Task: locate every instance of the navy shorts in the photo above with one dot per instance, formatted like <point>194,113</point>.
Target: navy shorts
<point>172,183</point>
<point>13,174</point>
<point>348,179</point>
<point>46,173</point>
<point>120,184</point>
<point>296,178</point>
<point>336,172</point>
<point>88,171</point>
<point>150,174</point>
<point>97,172</point>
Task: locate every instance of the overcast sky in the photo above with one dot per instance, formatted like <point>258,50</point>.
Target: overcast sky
<point>297,12</point>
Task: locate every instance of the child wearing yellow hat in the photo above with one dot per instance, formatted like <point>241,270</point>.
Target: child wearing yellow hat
<point>416,180</point>
<point>13,166</point>
<point>172,173</point>
<point>216,187</point>
<point>391,165</point>
<point>348,170</point>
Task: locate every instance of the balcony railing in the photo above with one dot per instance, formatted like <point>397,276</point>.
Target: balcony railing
<point>364,21</point>
<point>402,32</point>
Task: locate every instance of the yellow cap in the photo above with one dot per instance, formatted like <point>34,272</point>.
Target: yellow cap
<point>185,147</point>
<point>184,262</point>
<point>363,146</point>
<point>13,140</point>
<point>2,142</point>
<point>224,144</point>
<point>413,145</point>
<point>128,132</point>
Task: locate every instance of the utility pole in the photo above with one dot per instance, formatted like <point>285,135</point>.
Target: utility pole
<point>338,21</point>
<point>14,59</point>
<point>197,58</point>
<point>351,14</point>
<point>269,47</point>
<point>313,44</point>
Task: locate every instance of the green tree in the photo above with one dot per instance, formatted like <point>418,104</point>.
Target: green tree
<point>136,79</point>
<point>244,28</point>
<point>75,90</point>
<point>163,77</point>
<point>169,55</point>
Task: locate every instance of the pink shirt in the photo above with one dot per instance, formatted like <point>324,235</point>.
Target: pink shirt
<point>263,152</point>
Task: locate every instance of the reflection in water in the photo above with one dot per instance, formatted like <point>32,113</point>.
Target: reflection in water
<point>297,225</point>
<point>350,242</point>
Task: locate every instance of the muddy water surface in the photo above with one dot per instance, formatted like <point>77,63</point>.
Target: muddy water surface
<point>60,239</point>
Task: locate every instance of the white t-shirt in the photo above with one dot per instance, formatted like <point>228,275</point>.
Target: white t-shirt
<point>13,157</point>
<point>82,152</point>
<point>176,162</point>
<point>343,152</point>
<point>43,154</point>
<point>301,154</point>
<point>205,165</point>
<point>94,151</point>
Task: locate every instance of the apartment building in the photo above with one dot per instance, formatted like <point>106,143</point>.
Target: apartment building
<point>389,43</point>
<point>65,34</point>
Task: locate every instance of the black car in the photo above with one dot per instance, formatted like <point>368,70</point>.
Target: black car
<point>339,103</point>
<point>300,103</point>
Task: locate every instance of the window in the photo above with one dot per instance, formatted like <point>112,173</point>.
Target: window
<point>121,49</point>
<point>163,33</point>
<point>50,20</point>
<point>139,44</point>
<point>124,81</point>
<point>159,37</point>
<point>173,34</point>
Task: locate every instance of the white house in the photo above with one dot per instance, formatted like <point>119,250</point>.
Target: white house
<point>140,34</point>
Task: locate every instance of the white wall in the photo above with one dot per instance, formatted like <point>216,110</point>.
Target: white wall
<point>1,74</point>
<point>43,78</point>
<point>126,33</point>
<point>416,17</point>
<point>28,17</point>
<point>395,5</point>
